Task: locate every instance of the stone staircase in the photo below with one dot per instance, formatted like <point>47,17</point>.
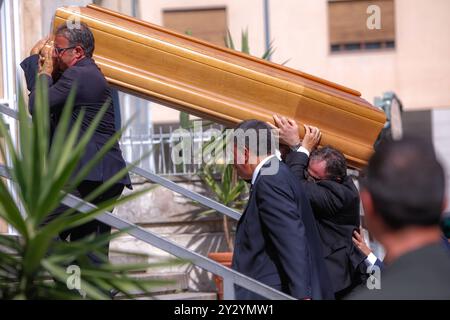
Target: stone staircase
<point>174,217</point>
<point>188,281</point>
<point>170,215</point>
<point>178,289</point>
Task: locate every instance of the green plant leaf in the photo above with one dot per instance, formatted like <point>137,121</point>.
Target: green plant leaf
<point>185,123</point>
<point>229,40</point>
<point>41,172</point>
<point>267,55</point>
<point>245,47</point>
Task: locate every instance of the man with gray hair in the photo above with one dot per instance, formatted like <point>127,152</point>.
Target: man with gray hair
<point>64,64</point>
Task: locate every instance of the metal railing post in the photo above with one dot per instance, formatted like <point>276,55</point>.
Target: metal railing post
<point>228,289</point>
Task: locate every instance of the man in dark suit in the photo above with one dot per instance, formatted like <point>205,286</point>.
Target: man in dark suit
<point>61,66</point>
<point>334,199</point>
<point>276,238</point>
<point>403,195</point>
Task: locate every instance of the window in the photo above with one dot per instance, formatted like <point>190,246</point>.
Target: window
<point>348,31</point>
<point>209,24</point>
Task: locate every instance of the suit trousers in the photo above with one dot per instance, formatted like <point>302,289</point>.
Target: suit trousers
<point>93,227</point>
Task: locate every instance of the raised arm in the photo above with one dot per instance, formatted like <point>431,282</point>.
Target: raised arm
<point>57,92</point>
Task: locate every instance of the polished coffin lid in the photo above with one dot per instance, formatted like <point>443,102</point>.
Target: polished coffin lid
<point>222,84</point>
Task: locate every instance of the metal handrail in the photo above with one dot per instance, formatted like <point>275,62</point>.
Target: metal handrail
<point>230,277</point>
<point>207,202</point>
<point>8,111</point>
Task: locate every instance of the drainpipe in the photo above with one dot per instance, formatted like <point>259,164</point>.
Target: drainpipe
<point>134,8</point>
<point>266,26</point>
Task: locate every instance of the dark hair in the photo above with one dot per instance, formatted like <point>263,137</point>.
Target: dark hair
<point>264,139</point>
<point>78,35</point>
<point>406,182</point>
<point>336,166</point>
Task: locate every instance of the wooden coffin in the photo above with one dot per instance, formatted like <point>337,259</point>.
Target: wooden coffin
<point>224,85</point>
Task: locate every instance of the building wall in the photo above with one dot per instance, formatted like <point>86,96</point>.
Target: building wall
<point>123,6</point>
<point>423,64</point>
<point>417,70</point>
<point>33,27</point>
<point>241,15</point>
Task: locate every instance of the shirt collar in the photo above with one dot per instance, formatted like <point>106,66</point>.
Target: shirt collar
<point>262,163</point>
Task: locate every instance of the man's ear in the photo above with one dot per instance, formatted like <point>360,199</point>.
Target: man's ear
<point>246,155</point>
<point>79,51</point>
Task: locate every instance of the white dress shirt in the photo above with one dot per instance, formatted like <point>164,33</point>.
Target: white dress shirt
<point>303,149</point>
<point>371,259</point>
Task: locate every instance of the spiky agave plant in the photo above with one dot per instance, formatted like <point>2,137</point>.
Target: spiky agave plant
<point>34,265</point>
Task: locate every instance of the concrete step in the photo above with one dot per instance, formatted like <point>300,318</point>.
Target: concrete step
<point>204,225</point>
<point>177,290</point>
<point>182,296</point>
<point>204,243</point>
<point>178,282</point>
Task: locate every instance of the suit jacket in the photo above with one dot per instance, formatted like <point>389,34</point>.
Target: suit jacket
<point>419,274</point>
<point>92,91</point>
<point>336,208</point>
<point>446,243</point>
<point>277,241</point>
